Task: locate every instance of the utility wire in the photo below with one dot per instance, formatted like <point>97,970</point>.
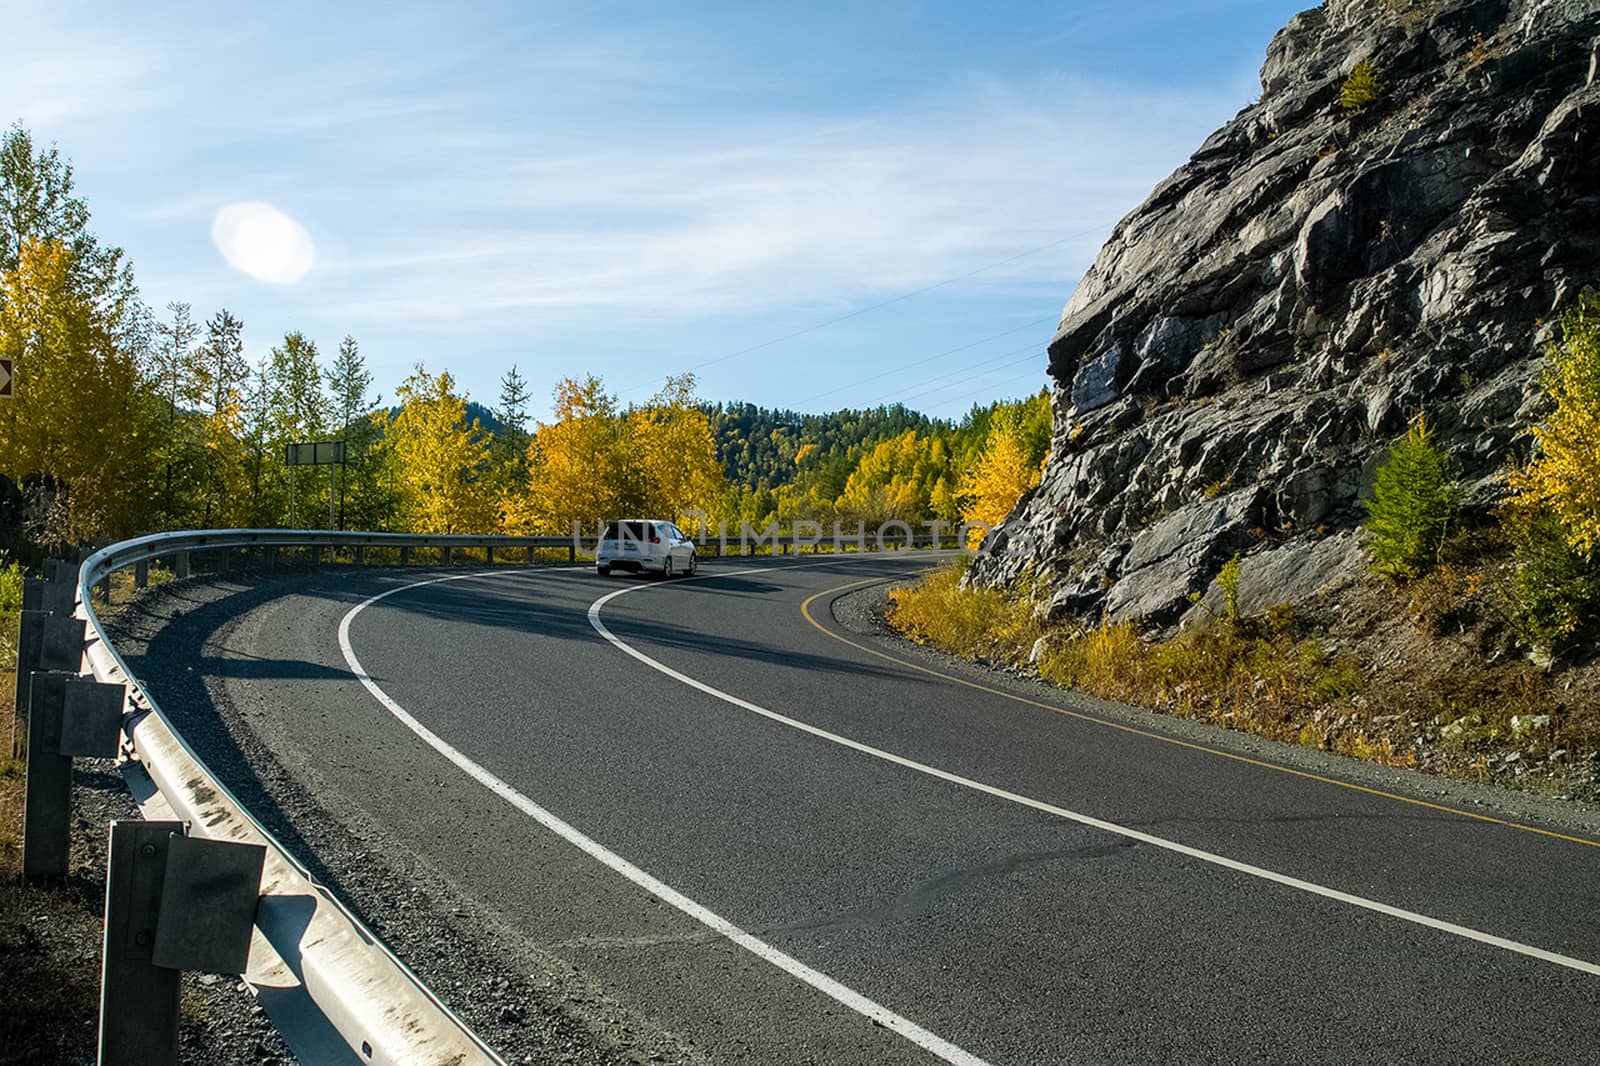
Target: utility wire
<point>799,404</point>
<point>1033,374</point>
<point>1003,361</point>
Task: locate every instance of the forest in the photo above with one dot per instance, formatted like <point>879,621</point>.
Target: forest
<point>127,420</point>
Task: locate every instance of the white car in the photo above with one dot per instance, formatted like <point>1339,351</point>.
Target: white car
<point>644,545</point>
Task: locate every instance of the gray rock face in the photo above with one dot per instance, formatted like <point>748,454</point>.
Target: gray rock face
<point>1248,340</point>
<point>1297,572</point>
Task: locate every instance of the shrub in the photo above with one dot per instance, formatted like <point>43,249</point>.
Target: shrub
<point>1414,500</point>
<point>1228,581</point>
<point>1362,88</point>
<point>1558,586</point>
<point>10,587</point>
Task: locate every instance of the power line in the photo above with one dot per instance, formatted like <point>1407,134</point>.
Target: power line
<point>881,304</point>
<point>999,384</point>
<point>800,404</point>
<point>963,375</point>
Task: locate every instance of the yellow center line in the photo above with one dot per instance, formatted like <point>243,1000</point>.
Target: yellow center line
<point>805,610</point>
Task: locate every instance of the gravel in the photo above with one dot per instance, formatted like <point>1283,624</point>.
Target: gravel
<point>50,949</point>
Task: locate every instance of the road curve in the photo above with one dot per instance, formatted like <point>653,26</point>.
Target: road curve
<point>787,842</point>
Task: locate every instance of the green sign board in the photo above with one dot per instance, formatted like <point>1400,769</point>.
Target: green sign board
<point>315,453</point>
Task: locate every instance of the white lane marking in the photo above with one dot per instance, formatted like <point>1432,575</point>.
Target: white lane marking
<point>843,994</point>
<point>1084,819</point>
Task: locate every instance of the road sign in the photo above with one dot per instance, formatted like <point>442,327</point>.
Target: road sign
<point>315,453</point>
<point>6,380</point>
<point>328,453</point>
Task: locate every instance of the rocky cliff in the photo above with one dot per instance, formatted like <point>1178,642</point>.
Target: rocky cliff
<point>1249,338</point>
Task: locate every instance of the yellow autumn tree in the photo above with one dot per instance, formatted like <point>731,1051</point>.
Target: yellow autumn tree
<point>675,454</point>
<point>439,458</point>
<point>1553,516</point>
<point>581,465</point>
<point>898,480</point>
<point>595,462</point>
<point>79,414</point>
<point>1001,475</point>
<point>1564,480</point>
<point>224,376</point>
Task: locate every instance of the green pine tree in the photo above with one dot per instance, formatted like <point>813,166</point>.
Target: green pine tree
<point>1414,500</point>
<point>1362,88</point>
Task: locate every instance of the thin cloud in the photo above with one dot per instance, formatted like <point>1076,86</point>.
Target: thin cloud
<point>748,220</point>
<point>83,79</point>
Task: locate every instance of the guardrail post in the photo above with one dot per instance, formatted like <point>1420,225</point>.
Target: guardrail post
<point>30,642</point>
<point>141,574</point>
<point>53,594</point>
<point>180,565</point>
<point>488,555</point>
<point>361,554</point>
<point>138,999</point>
<point>67,716</point>
<point>447,556</point>
<point>45,642</point>
<point>405,556</point>
<point>48,799</point>
<point>173,903</point>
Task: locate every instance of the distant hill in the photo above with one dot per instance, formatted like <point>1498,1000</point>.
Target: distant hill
<point>484,415</point>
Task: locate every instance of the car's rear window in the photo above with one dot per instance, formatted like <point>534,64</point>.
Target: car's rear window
<point>627,530</point>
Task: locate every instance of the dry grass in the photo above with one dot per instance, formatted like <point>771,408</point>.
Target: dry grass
<point>1434,704</point>
<point>12,780</point>
<point>977,623</point>
<point>49,964</point>
<point>1257,676</point>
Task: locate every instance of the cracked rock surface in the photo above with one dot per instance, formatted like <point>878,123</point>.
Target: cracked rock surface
<point>1281,306</point>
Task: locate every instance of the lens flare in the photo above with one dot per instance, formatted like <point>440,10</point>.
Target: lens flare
<point>259,240</point>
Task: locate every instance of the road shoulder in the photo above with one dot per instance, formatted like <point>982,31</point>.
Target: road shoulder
<point>861,612</point>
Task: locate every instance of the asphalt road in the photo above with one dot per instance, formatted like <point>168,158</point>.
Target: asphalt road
<point>784,841</point>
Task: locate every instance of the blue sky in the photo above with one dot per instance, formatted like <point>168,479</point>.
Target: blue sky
<point>636,190</point>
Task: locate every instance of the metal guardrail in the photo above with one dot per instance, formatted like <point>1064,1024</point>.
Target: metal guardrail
<point>178,545</point>
<point>328,963</point>
<point>329,968</point>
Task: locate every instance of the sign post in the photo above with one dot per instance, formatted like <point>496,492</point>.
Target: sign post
<point>328,453</point>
